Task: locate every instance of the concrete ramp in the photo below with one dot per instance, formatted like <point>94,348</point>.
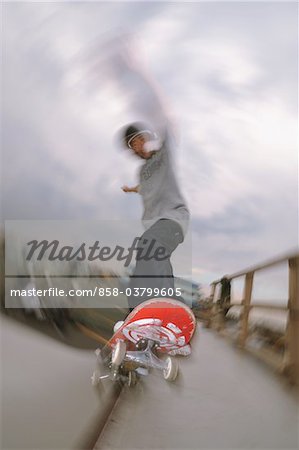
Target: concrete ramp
<point>224,398</point>
<point>47,401</point>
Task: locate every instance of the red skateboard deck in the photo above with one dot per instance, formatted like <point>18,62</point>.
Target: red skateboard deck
<point>168,322</point>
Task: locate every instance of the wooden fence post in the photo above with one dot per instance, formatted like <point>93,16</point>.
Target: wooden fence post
<point>214,305</point>
<point>246,309</point>
<point>213,290</point>
<point>292,334</point>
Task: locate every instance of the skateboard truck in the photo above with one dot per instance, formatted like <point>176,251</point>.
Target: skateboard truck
<point>127,365</point>
<point>143,358</point>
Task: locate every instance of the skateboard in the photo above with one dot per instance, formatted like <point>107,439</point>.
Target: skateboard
<point>153,332</point>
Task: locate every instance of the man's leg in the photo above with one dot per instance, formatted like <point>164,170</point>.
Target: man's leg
<point>151,272</point>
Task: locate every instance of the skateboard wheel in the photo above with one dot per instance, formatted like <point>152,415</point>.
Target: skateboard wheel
<point>170,372</point>
<point>119,353</point>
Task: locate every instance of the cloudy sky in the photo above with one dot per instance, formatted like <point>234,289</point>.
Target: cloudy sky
<point>229,74</point>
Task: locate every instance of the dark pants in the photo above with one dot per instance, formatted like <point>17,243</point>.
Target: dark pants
<point>153,268</point>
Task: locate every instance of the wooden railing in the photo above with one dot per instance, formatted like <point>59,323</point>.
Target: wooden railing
<point>290,364</point>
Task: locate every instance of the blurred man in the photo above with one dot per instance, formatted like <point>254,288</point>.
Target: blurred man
<point>165,214</point>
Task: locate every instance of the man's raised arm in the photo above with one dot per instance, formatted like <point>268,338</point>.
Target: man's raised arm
<point>143,94</point>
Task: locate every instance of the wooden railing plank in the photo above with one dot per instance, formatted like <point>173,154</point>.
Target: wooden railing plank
<point>265,265</point>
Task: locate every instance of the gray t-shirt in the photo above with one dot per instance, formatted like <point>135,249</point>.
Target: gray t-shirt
<point>160,193</point>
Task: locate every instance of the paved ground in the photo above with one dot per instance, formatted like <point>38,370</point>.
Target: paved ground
<point>47,401</point>
<point>223,399</point>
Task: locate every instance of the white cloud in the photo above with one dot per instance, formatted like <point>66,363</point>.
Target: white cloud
<point>232,90</point>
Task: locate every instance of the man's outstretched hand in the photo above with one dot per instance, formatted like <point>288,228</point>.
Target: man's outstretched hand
<point>132,189</point>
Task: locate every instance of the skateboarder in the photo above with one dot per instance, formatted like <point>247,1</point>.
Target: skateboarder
<point>165,216</point>
<point>165,213</point>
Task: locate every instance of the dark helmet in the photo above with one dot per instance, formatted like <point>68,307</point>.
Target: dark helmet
<point>131,131</point>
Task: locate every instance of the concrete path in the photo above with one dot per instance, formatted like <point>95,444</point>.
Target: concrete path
<point>223,399</point>
<point>47,401</point>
